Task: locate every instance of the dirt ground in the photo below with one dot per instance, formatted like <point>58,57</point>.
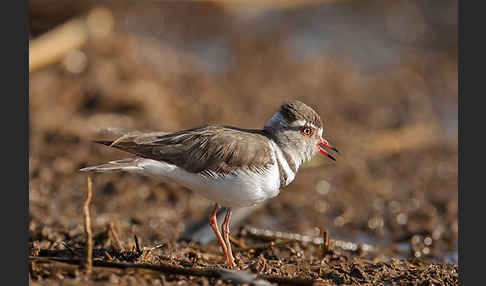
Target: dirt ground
<point>388,204</point>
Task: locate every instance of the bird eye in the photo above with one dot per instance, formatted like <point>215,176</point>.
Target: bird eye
<point>307,131</point>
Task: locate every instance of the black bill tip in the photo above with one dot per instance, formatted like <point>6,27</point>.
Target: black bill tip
<point>335,149</point>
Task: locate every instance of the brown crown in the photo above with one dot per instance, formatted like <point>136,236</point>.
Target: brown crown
<point>293,110</point>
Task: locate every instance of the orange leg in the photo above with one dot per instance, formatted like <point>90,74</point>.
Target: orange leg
<point>214,225</point>
<point>230,260</point>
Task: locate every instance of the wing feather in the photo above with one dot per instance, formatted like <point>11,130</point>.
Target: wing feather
<point>205,149</point>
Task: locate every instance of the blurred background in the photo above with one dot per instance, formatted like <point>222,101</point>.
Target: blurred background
<point>382,75</point>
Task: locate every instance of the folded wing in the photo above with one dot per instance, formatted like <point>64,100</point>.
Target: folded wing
<point>206,149</point>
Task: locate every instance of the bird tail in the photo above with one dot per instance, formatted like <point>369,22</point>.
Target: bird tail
<point>126,165</point>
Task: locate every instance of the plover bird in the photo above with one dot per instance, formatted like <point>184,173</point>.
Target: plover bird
<point>230,166</point>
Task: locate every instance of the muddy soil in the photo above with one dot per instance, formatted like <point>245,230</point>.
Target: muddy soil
<point>388,204</point>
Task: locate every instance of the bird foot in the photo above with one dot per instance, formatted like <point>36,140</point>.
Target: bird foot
<point>231,265</point>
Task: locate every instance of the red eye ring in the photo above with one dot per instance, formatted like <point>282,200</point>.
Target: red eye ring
<point>307,131</point>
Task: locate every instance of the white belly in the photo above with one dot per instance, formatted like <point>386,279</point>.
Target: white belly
<point>242,189</point>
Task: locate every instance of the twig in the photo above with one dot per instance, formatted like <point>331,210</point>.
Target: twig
<point>325,241</point>
<point>273,235</point>
<point>88,253</point>
<point>114,236</point>
<point>237,242</point>
<point>257,7</point>
<point>54,45</point>
<point>71,251</point>
<point>325,238</point>
<point>151,249</point>
<point>261,246</point>
<point>137,245</point>
<point>108,256</point>
<point>211,272</point>
<point>324,247</point>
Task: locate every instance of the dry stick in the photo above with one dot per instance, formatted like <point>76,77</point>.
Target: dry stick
<point>69,248</point>
<point>88,253</point>
<point>235,6</point>
<point>151,249</point>
<point>237,242</point>
<point>108,256</point>
<point>273,235</point>
<point>114,234</point>
<point>266,245</point>
<point>54,45</point>
<point>211,272</point>
<point>323,248</point>
<point>325,239</point>
<point>137,245</point>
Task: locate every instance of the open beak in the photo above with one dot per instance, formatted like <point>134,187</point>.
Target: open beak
<point>324,144</point>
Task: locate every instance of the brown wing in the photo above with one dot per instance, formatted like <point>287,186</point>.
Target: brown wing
<point>209,148</point>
